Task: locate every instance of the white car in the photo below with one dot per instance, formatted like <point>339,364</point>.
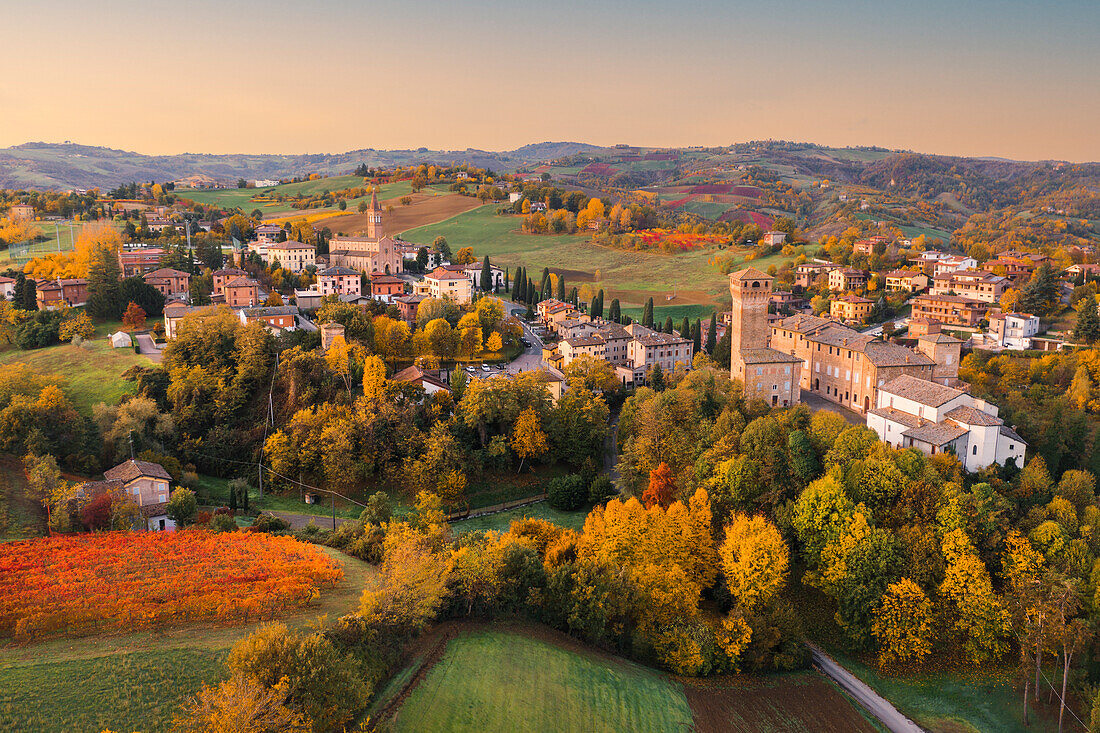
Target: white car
<point>470,369</point>
<point>486,368</point>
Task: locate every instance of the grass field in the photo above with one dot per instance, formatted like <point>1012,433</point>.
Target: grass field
<point>20,515</point>
<point>229,198</point>
<point>630,276</point>
<point>134,682</point>
<point>89,374</point>
<point>501,521</point>
<point>492,680</point>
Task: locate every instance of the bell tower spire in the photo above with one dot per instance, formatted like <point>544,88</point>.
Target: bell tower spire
<point>374,217</point>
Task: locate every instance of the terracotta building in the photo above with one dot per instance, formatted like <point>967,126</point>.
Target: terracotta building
<point>850,307</point>
<point>242,292</point>
<point>951,310</point>
<point>374,252</point>
<point>765,372</point>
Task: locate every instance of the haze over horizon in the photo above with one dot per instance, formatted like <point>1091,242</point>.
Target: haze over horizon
<point>993,78</point>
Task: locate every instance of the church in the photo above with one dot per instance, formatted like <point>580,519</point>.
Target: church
<point>374,252</point>
<point>767,373</point>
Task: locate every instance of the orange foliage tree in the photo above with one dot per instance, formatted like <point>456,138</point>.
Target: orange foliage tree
<point>661,489</point>
<point>134,317</point>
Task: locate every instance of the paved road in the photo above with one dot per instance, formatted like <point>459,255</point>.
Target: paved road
<point>149,348</point>
<point>817,402</point>
<point>531,358</point>
<point>870,700</point>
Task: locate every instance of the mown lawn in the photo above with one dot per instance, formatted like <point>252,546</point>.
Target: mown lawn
<point>89,374</point>
<point>493,680</point>
<point>501,521</point>
<point>20,514</point>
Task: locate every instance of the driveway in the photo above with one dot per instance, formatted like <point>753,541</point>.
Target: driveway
<point>148,347</point>
<point>868,699</point>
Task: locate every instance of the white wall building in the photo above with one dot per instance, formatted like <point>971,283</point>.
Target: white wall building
<point>916,413</point>
<point>1013,330</point>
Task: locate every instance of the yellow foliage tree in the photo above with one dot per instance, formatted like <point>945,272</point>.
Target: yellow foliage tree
<point>412,582</point>
<point>528,438</point>
<point>754,560</point>
<point>903,624</point>
<point>495,342</point>
<point>978,613</point>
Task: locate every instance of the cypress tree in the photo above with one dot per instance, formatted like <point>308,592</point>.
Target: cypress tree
<point>614,313</point>
<point>626,321</point>
<point>685,328</point>
<point>519,292</point>
<point>30,296</point>
<point>530,293</point>
<point>712,335</point>
<point>599,306</point>
<point>647,314</point>
<point>507,287</point>
<point>668,325</point>
<point>561,288</point>
<point>486,275</point>
<point>573,297</point>
<point>696,336</point>
<point>544,291</point>
<point>103,285</point>
<point>17,295</point>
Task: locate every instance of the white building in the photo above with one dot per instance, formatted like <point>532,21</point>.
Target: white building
<point>266,183</point>
<point>916,413</point>
<point>473,271</point>
<point>1013,330</point>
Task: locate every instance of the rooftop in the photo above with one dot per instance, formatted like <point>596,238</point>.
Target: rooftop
<point>272,310</point>
<point>972,416</point>
<point>920,390</point>
<point>768,356</point>
<point>936,433</point>
<point>133,469</point>
<point>750,273</point>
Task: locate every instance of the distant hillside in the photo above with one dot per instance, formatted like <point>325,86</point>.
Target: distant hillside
<point>64,166</point>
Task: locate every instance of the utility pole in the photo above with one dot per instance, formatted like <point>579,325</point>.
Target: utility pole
<point>131,445</point>
<point>57,231</point>
<point>333,512</point>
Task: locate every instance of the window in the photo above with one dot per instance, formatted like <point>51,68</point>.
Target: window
<point>759,371</point>
<point>975,451</point>
<point>1012,446</point>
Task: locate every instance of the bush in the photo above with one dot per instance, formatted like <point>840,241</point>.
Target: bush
<point>182,507</point>
<point>223,523</point>
<point>567,493</point>
<point>270,523</point>
<point>601,489</point>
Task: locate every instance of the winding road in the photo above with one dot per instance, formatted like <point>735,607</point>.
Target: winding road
<point>868,699</point>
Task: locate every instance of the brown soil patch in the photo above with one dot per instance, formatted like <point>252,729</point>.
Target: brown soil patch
<point>423,210</point>
<point>794,703</point>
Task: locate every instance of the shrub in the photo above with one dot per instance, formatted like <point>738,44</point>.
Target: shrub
<point>270,523</point>
<point>223,523</point>
<point>567,493</point>
<point>600,489</point>
<point>182,507</point>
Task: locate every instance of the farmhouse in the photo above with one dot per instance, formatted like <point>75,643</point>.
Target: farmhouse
<point>148,485</point>
<point>21,212</point>
<point>428,380</point>
<point>914,413</point>
<point>844,279</point>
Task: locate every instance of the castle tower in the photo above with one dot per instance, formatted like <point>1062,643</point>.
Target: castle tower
<point>750,290</point>
<point>374,218</point>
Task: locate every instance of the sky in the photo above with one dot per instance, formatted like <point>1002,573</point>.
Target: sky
<point>1008,78</point>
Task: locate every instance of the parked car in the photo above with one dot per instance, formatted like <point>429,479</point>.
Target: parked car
<point>470,369</point>
<point>525,342</point>
<point>486,368</point>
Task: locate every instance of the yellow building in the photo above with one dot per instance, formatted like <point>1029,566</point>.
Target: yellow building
<point>851,308</point>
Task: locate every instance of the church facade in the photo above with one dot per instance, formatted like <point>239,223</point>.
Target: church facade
<point>372,253</point>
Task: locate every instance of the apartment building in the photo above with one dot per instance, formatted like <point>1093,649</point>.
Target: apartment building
<point>973,284</point>
<point>951,310</point>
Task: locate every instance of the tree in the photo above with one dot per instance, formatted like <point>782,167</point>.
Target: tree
<point>134,317</point>
<point>685,328</point>
<point>528,439</point>
<point>495,343</point>
<point>75,323</point>
<point>614,313</point>
<point>422,259</point>
<point>182,506</point>
<point>240,705</point>
<point>647,314</point>
<point>1041,292</point>
<point>668,325</point>
<point>657,378</point>
<point>413,583</point>
<point>103,284</point>
<point>979,616</point>
<point>486,275</point>
<point>903,624</point>
<point>464,256</point>
<point>561,288</point>
<point>661,489</point>
<point>439,244</point>
<point>712,331</point>
<point>754,561</point>
<point>1087,330</point>
<point>136,290</point>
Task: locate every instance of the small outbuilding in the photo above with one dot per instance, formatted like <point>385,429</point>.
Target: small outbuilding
<point>121,340</point>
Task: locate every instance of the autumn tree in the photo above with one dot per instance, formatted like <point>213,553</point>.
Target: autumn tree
<point>755,560</point>
<point>240,705</point>
<point>134,317</point>
<point>903,624</point>
<point>528,438</point>
<point>413,583</point>
<point>661,489</point>
<point>978,614</point>
<point>75,323</point>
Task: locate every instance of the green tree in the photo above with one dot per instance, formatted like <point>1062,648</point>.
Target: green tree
<point>103,284</point>
<point>561,288</point>
<point>668,325</point>
<point>657,378</point>
<point>1087,330</point>
<point>486,274</point>
<point>614,313</point>
<point>712,338</point>
<point>647,314</point>
<point>182,506</point>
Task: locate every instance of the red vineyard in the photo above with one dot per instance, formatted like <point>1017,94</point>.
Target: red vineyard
<point>669,238</point>
<point>90,583</point>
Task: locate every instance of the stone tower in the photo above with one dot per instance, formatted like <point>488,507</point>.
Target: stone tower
<point>749,289</point>
<point>374,218</point>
